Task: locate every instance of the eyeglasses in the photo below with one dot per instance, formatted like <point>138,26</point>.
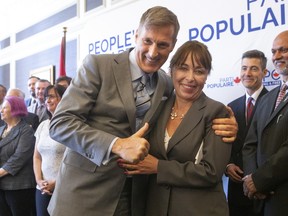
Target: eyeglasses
<point>51,97</point>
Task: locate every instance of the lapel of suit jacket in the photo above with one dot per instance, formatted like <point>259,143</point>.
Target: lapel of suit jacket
<point>11,135</point>
<point>189,122</point>
<point>123,80</point>
<point>264,91</point>
<point>240,112</point>
<point>272,100</point>
<point>158,96</point>
<point>161,126</point>
<point>278,109</point>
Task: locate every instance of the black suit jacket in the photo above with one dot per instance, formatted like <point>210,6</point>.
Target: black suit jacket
<point>239,108</point>
<point>238,202</point>
<point>265,152</point>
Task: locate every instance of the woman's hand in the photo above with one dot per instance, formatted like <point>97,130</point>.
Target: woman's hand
<point>147,166</point>
<point>46,186</point>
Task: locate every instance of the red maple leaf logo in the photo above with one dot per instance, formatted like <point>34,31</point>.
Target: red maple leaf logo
<point>275,74</point>
<point>237,80</point>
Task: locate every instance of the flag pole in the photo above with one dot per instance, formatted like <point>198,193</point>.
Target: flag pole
<point>62,70</point>
<point>64,31</point>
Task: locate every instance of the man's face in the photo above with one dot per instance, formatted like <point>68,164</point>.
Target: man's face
<point>251,73</point>
<point>153,46</point>
<point>39,89</point>
<point>280,53</point>
<point>31,86</point>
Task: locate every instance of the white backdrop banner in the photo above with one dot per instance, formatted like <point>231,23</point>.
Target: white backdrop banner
<point>227,27</point>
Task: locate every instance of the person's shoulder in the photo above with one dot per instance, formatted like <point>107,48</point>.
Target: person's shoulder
<point>24,126</point>
<point>163,74</point>
<point>105,56</point>
<point>215,106</point>
<point>28,101</point>
<point>44,123</point>
<point>31,115</point>
<point>31,107</point>
<point>236,101</point>
<point>267,96</point>
<point>212,102</point>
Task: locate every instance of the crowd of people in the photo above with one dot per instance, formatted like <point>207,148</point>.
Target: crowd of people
<point>127,139</point>
<point>29,158</point>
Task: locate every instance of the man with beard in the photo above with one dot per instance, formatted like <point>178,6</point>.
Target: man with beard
<point>39,107</point>
<point>265,151</point>
<point>31,88</point>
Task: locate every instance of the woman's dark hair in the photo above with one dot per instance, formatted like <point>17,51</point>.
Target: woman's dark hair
<point>199,53</point>
<point>59,90</point>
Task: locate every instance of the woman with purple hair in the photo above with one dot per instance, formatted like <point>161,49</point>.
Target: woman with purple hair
<point>17,181</point>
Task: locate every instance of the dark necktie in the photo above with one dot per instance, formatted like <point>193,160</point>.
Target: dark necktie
<point>143,99</point>
<point>249,109</point>
<point>281,95</point>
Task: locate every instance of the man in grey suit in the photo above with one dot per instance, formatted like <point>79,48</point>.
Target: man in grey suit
<point>39,108</point>
<point>99,115</point>
<point>265,151</point>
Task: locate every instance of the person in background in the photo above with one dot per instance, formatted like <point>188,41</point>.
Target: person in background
<point>17,181</point>
<point>31,118</point>
<point>48,153</point>
<point>102,117</point>
<point>265,151</point>
<point>31,88</point>
<point>64,81</point>
<point>3,92</point>
<point>39,108</point>
<point>253,70</point>
<point>187,159</point>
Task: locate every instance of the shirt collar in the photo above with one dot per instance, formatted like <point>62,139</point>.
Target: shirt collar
<point>255,95</point>
<point>136,72</point>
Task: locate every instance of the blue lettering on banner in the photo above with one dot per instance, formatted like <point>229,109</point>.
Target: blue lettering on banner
<point>118,43</point>
<point>223,82</point>
<point>246,22</point>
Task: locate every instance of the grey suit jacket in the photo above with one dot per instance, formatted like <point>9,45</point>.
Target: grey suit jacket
<point>16,157</point>
<point>183,186</point>
<point>43,115</point>
<point>265,152</point>
<point>97,107</point>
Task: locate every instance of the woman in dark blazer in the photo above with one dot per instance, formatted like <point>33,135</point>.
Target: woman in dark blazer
<point>187,160</point>
<point>17,181</point>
